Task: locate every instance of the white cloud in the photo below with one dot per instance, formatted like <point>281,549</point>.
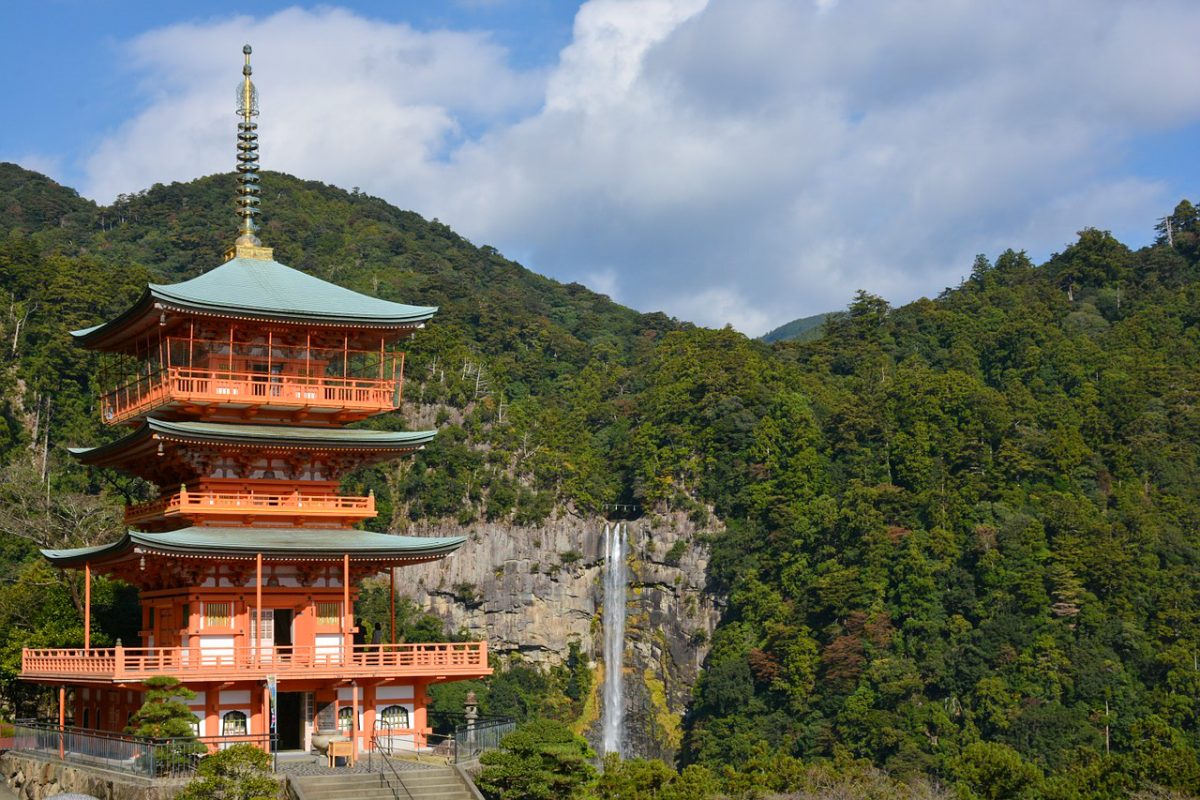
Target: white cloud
<point>743,161</point>
<point>345,99</point>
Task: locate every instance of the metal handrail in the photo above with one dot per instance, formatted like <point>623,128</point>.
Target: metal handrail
<point>376,745</point>
<point>171,757</point>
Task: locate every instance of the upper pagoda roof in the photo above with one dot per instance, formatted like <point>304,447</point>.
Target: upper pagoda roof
<point>273,543</point>
<point>258,289</point>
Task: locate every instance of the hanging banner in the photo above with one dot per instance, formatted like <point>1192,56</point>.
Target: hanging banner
<point>272,691</point>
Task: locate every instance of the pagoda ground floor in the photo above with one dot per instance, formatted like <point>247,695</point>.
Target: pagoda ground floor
<point>288,712</point>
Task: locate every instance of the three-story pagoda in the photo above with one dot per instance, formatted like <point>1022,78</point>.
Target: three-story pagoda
<point>235,388</point>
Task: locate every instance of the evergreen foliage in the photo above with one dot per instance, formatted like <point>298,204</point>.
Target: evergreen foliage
<point>164,713</point>
<point>541,760</point>
<point>239,772</point>
<point>958,539</point>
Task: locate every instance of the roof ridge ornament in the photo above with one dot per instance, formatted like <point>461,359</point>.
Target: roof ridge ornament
<point>248,245</point>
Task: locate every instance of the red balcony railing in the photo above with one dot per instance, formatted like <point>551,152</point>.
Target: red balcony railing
<point>292,504</point>
<point>209,387</point>
<point>119,664</point>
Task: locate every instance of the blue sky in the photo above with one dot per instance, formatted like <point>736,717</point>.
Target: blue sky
<point>727,161</point>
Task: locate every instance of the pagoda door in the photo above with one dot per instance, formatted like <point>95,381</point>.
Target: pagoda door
<point>168,634</point>
<point>265,649</point>
<point>283,627</point>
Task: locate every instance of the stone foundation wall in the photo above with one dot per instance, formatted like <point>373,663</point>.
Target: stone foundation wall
<point>35,778</point>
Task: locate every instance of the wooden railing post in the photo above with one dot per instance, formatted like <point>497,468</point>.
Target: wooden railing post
<point>118,660</point>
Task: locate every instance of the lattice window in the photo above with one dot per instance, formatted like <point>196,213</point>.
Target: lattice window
<point>218,615</point>
<point>268,622</point>
<point>233,723</point>
<point>325,717</point>
<point>329,613</point>
<point>345,719</point>
<point>393,717</point>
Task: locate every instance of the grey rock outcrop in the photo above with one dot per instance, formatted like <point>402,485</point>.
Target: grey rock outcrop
<point>532,591</point>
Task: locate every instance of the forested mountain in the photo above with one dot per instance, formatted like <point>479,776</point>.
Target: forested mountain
<point>804,329</point>
<point>959,538</point>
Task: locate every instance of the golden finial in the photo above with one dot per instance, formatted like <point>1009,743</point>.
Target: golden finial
<point>247,244</point>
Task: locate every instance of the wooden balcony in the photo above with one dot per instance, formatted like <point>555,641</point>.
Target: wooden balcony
<point>243,506</point>
<point>224,394</point>
<point>105,665</point>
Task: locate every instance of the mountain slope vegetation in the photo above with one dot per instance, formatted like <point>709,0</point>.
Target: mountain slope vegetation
<point>959,539</point>
<point>804,329</point>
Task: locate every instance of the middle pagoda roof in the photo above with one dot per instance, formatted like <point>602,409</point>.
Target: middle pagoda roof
<point>137,452</point>
<point>258,289</point>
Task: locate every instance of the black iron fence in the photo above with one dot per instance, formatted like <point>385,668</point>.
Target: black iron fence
<point>150,758</point>
<point>453,740</point>
<point>472,741</point>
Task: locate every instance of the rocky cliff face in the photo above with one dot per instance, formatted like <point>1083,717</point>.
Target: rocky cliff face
<point>531,591</point>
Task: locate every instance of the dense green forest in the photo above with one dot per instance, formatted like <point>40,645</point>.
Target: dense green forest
<point>959,539</point>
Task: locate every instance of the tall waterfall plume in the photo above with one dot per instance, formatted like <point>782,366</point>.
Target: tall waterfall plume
<point>614,636</point>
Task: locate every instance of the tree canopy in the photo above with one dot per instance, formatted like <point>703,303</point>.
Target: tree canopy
<point>957,539</point>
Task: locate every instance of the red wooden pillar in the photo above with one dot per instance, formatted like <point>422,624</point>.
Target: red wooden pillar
<point>419,719</point>
<point>392,597</point>
<point>353,721</point>
<point>368,715</point>
<point>400,396</point>
<point>87,605</point>
<point>347,612</point>
<point>62,720</point>
<point>258,608</point>
<point>212,712</point>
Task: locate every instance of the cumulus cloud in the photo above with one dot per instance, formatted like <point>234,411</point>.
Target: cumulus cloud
<point>729,161</point>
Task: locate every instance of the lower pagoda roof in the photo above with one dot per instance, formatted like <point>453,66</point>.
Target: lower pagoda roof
<point>281,544</point>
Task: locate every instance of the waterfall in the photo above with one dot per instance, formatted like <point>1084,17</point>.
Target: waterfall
<point>614,635</point>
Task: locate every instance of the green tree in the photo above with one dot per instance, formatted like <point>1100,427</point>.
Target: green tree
<point>541,760</point>
<point>164,714</point>
<point>239,772</point>
<point>993,771</point>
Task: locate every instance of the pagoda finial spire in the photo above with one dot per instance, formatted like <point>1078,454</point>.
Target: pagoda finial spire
<point>248,244</point>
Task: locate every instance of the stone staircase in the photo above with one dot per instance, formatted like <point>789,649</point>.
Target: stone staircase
<point>438,783</point>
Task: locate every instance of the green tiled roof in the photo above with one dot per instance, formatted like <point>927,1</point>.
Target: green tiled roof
<point>271,542</point>
<point>292,435</point>
<point>281,435</point>
<point>260,288</point>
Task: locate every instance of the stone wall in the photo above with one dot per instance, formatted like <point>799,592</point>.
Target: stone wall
<point>532,591</point>
<point>34,777</point>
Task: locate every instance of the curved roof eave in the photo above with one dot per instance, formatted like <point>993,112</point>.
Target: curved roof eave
<point>267,435</point>
<point>265,289</point>
<point>271,542</point>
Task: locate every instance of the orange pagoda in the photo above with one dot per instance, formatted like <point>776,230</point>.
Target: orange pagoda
<point>234,389</point>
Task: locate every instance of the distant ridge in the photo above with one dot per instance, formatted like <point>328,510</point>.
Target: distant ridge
<point>805,329</point>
